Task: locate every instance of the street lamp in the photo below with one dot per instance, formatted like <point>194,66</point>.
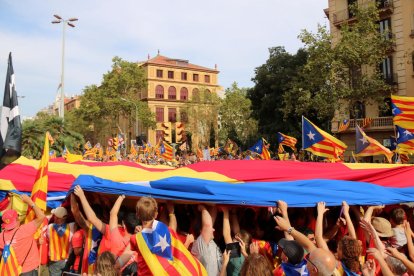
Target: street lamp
<point>136,115</point>
<point>62,83</point>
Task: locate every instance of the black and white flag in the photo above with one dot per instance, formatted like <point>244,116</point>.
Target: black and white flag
<point>10,125</point>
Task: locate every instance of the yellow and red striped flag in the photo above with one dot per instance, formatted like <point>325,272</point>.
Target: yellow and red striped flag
<point>39,191</point>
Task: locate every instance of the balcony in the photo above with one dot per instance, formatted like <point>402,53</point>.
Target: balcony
<point>377,124</point>
<point>385,7</point>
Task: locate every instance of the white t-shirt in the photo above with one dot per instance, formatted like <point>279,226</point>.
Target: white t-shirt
<point>208,254</point>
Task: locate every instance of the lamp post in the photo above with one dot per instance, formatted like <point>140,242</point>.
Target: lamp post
<point>136,115</point>
<point>62,83</point>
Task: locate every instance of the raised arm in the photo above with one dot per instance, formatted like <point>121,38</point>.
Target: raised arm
<point>235,226</point>
<point>90,214</point>
<point>113,215</point>
<point>408,234</point>
<point>349,224</point>
<point>319,226</point>
<point>401,256</point>
<point>226,225</point>
<point>40,215</point>
<point>172,222</point>
<point>77,215</point>
<point>284,225</point>
<point>206,224</point>
<point>386,271</point>
<point>367,226</point>
<point>283,210</point>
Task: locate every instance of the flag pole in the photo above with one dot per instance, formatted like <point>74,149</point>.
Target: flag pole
<point>303,136</point>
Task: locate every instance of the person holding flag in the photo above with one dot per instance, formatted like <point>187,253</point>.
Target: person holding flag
<point>160,251</point>
<point>20,255</point>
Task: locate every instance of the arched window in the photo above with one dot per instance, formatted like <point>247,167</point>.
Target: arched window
<point>172,93</point>
<point>358,110</point>
<point>196,94</point>
<point>159,92</point>
<point>183,94</point>
<point>385,109</point>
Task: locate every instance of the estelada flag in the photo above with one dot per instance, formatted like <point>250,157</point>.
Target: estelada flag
<point>286,140</point>
<point>403,111</point>
<point>319,142</point>
<point>367,146</point>
<point>165,254</point>
<point>39,191</point>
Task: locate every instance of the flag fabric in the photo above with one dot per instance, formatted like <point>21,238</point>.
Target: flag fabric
<point>403,111</point>
<point>299,269</point>
<point>367,146</point>
<point>52,154</point>
<point>183,146</point>
<point>261,148</point>
<point>344,125</point>
<point>199,153</point>
<point>231,147</point>
<point>319,142</point>
<point>280,149</point>
<point>10,125</point>
<point>404,158</point>
<point>39,191</point>
<point>166,151</point>
<point>286,140</point>
<point>393,143</point>
<point>93,239</point>
<point>65,152</point>
<point>9,264</point>
<point>87,146</point>
<point>165,254</point>
<point>366,122</point>
<point>405,140</point>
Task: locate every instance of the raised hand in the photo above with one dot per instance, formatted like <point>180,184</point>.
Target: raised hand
<point>78,191</point>
<point>282,224</point>
<point>322,208</point>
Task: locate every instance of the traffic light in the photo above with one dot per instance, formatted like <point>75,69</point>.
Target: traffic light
<point>179,132</point>
<point>167,132</point>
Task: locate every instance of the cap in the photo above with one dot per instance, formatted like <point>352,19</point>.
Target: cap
<point>383,227</point>
<point>60,212</point>
<point>9,219</point>
<point>292,250</point>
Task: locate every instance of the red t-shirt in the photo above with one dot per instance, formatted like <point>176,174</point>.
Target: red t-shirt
<point>119,241</point>
<point>77,242</point>
<point>105,244</point>
<point>143,268</point>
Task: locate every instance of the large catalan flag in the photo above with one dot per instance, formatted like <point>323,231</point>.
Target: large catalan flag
<point>165,254</point>
<point>403,111</point>
<point>319,142</point>
<point>166,151</point>
<point>285,140</point>
<point>39,191</point>
<point>367,146</point>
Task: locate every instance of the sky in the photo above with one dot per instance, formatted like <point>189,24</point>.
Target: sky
<point>235,35</point>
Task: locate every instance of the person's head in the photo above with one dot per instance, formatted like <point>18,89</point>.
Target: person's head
<point>383,227</point>
<point>106,264</point>
<point>246,238</point>
<point>320,262</point>
<point>310,235</point>
<point>10,220</point>
<point>349,250</point>
<point>131,222</point>
<point>146,209</point>
<point>256,264</point>
<point>292,251</point>
<point>60,214</point>
<point>396,266</point>
<point>397,216</point>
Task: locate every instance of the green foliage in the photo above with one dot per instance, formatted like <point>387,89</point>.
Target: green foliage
<point>34,135</point>
<point>203,110</point>
<point>102,106</point>
<point>235,117</point>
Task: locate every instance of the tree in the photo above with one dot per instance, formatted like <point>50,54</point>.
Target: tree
<point>204,108</point>
<point>272,80</point>
<point>236,122</point>
<point>34,134</point>
<point>343,71</point>
<point>102,106</point>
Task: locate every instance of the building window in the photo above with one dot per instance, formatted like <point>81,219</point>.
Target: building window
<point>159,114</point>
<point>183,94</point>
<point>385,28</point>
<point>159,135</point>
<point>171,74</point>
<point>172,115</point>
<point>385,109</point>
<point>385,69</point>
<point>195,77</point>
<point>196,94</point>
<point>159,73</point>
<point>357,111</point>
<point>183,76</point>
<point>159,92</point>
<point>206,78</point>
<point>172,93</point>
<point>183,116</point>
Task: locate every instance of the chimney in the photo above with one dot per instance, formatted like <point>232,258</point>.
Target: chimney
<point>215,66</point>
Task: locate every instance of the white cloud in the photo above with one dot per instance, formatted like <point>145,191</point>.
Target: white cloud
<point>235,35</point>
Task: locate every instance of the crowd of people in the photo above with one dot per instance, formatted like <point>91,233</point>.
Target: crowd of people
<point>92,234</point>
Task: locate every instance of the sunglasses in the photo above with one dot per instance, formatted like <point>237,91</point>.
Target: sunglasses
<point>309,261</point>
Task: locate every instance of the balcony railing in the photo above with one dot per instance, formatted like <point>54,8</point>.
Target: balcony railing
<point>379,123</point>
<point>385,6</point>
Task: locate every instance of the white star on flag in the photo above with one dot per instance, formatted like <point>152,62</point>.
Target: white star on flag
<point>311,135</point>
<point>162,243</point>
<point>364,140</point>
<point>301,270</point>
<point>407,133</point>
<point>257,148</point>
<point>394,110</point>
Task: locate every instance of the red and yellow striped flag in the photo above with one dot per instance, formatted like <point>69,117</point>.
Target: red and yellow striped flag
<point>39,191</point>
